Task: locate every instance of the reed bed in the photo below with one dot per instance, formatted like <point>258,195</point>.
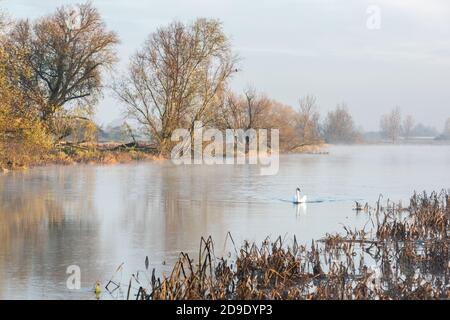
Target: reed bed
<point>403,255</point>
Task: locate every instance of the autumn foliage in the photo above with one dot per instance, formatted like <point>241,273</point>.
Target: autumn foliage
<point>23,138</point>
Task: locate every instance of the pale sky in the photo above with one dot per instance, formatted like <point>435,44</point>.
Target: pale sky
<point>290,48</point>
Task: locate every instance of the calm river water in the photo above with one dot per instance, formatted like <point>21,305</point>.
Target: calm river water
<point>97,217</point>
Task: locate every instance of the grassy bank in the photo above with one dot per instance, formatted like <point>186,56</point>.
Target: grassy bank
<point>403,254</point>
<point>89,153</point>
<point>110,153</point>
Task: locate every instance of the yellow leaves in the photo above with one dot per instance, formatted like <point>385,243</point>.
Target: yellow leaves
<point>23,138</point>
<point>22,141</point>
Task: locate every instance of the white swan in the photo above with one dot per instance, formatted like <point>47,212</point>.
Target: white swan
<point>299,198</point>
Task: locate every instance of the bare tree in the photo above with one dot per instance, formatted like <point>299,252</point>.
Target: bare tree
<point>339,126</point>
<point>246,111</point>
<point>391,124</point>
<point>67,52</point>
<point>446,132</point>
<point>178,77</point>
<point>254,106</point>
<point>232,114</point>
<point>408,126</point>
<point>308,121</point>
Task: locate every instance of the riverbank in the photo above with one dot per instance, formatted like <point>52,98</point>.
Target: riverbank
<point>88,153</point>
<point>110,153</point>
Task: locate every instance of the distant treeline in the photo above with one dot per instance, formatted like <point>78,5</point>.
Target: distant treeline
<point>393,127</point>
<point>52,75</point>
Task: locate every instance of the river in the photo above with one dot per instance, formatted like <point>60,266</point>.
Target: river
<point>97,217</point>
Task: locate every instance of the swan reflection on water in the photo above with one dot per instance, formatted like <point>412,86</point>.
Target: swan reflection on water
<point>300,209</point>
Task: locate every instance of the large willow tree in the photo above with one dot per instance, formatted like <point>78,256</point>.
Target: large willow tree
<point>67,53</point>
<point>176,78</point>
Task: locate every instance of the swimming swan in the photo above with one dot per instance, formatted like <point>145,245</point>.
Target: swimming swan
<point>298,197</point>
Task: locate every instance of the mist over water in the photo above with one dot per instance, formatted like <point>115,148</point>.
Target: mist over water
<point>100,216</point>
